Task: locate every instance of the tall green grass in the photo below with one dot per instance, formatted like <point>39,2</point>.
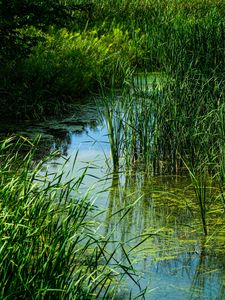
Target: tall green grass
<point>63,67</point>
<point>176,37</point>
<point>184,120</point>
<point>157,139</point>
<point>50,248</point>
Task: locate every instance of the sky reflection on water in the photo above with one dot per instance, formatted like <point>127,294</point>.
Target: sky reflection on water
<point>176,262</point>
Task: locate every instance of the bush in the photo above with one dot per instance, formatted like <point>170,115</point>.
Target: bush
<point>67,65</point>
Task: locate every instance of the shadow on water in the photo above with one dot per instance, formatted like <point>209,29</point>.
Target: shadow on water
<point>58,133</point>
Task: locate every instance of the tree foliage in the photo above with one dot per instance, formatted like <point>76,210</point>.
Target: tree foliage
<point>18,14</point>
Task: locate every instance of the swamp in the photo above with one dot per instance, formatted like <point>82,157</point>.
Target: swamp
<point>112,149</point>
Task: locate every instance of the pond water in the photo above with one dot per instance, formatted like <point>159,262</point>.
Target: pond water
<point>176,261</point>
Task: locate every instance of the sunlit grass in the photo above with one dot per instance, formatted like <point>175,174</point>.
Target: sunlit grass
<point>50,247</point>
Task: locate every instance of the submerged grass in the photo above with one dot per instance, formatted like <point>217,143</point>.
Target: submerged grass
<point>49,247</point>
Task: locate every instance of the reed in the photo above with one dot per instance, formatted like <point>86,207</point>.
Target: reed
<point>201,186</point>
<point>49,247</point>
<point>179,126</point>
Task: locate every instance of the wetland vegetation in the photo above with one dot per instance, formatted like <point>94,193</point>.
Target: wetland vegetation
<point>156,72</point>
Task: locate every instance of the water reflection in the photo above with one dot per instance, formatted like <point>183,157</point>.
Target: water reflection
<point>175,261</point>
<point>58,133</point>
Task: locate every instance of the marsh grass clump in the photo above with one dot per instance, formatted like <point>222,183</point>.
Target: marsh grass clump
<point>131,119</point>
<point>185,42</point>
<point>177,128</point>
<point>49,246</point>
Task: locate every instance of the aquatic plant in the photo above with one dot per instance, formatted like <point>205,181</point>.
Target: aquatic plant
<point>49,247</point>
<point>114,121</point>
<point>163,130</point>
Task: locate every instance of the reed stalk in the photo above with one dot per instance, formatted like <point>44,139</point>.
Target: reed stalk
<point>50,248</point>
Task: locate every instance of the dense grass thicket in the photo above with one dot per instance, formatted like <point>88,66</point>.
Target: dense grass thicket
<point>50,248</point>
<point>173,121</point>
<point>67,57</point>
<point>66,66</point>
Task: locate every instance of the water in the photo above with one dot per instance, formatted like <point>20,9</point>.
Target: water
<point>176,261</point>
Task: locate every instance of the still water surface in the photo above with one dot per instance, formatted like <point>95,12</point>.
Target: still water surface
<point>176,261</point>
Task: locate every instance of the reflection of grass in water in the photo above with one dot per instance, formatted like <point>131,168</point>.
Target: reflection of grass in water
<point>49,245</point>
<point>160,130</point>
<point>131,125</point>
<point>167,211</point>
<point>170,210</point>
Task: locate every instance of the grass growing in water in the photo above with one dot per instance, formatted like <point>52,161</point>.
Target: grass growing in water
<point>49,245</point>
<point>162,127</point>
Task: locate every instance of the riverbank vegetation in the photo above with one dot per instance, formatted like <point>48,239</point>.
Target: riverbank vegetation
<point>54,52</point>
<point>160,68</point>
<point>50,247</point>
